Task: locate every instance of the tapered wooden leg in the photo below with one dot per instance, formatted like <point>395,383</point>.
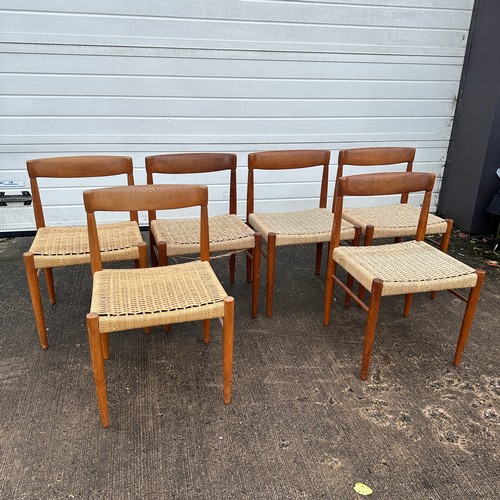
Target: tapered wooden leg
<point>153,248</point>
<point>249,255</point>
<point>319,255</point>
<point>350,279</point>
<point>397,239</point>
<point>256,254</point>
<point>368,241</point>
<point>49,279</point>
<point>376,293</point>
<point>232,267</point>
<point>330,282</point>
<point>227,347</point>
<point>445,241</point>
<point>105,345</point>
<point>143,263</point>
<point>162,253</point>
<point>271,255</point>
<point>36,298</point>
<point>408,301</point>
<point>470,310</point>
<point>98,366</point>
<point>206,331</point>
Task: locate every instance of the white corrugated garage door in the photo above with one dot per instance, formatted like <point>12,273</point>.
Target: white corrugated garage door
<point>141,78</point>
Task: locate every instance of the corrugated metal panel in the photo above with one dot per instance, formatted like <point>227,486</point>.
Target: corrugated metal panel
<point>107,76</point>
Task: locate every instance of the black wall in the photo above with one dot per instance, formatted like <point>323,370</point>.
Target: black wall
<point>469,180</point>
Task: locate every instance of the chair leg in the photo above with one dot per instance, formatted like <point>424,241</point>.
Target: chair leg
<point>232,267</point>
<point>105,345</point>
<point>227,347</point>
<point>470,310</point>
<point>271,255</point>
<point>408,302</point>
<point>330,282</point>
<point>98,366</point>
<point>350,278</point>
<point>162,260</point>
<point>256,254</point>
<point>153,249</point>
<point>445,241</point>
<point>371,323</point>
<point>206,331</point>
<point>49,279</point>
<point>249,255</point>
<point>36,298</point>
<point>162,253</point>
<point>143,263</point>
<point>319,254</point>
<point>368,241</point>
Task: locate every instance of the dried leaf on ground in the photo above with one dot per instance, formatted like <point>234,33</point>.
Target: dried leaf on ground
<point>491,263</point>
<point>362,489</point>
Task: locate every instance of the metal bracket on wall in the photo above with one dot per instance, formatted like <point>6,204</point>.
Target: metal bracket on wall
<point>24,198</point>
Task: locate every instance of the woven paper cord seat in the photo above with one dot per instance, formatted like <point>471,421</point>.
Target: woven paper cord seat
<point>409,267</point>
<point>294,228</point>
<point>135,298</point>
<point>66,246</point>
<point>393,220</point>
<point>227,233</point>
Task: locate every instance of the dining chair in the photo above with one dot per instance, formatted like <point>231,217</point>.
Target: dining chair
<point>228,233</point>
<point>59,246</point>
<point>294,227</point>
<point>402,268</point>
<point>123,299</point>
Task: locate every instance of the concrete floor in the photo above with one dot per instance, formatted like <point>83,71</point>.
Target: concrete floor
<point>301,425</point>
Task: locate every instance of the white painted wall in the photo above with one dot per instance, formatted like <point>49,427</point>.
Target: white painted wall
<point>141,78</point>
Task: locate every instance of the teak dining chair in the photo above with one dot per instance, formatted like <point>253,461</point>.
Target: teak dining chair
<point>292,228</point>
<point>397,268</point>
<point>228,233</point>
<point>141,298</point>
<point>59,246</point>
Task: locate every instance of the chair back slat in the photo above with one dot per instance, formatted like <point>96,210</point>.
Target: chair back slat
<point>79,166</point>
<point>156,197</point>
<point>385,183</point>
<point>300,158</point>
<point>376,156</point>
<point>190,163</point>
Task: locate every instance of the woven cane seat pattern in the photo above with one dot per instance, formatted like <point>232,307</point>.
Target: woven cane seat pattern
<point>409,267</point>
<point>226,232</point>
<point>136,298</point>
<point>294,228</point>
<point>69,245</point>
<point>393,220</point>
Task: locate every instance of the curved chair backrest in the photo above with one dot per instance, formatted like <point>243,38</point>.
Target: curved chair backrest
<point>383,184</point>
<point>374,157</point>
<point>136,198</point>
<point>287,159</point>
<point>74,167</point>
